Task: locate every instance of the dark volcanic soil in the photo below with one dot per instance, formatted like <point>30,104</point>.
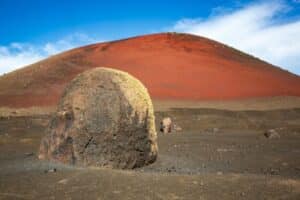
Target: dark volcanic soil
<point>200,162</point>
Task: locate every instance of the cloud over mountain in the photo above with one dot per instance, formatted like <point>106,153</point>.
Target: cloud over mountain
<point>260,29</point>
<point>16,55</point>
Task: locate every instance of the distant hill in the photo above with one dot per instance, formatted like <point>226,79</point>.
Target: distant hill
<point>171,65</point>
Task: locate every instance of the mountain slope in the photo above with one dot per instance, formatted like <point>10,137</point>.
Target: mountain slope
<point>171,65</point>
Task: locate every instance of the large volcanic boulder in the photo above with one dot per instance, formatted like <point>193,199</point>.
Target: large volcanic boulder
<point>104,118</point>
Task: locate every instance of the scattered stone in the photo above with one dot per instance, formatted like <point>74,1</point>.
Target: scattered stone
<point>63,181</point>
<point>274,171</point>
<point>270,171</point>
<point>272,134</point>
<point>177,128</point>
<point>195,182</point>
<point>104,118</point>
<point>171,169</point>
<point>166,125</point>
<point>219,173</point>
<point>215,130</point>
<point>53,170</point>
<point>224,150</point>
<point>243,194</point>
<point>201,183</point>
<point>29,154</point>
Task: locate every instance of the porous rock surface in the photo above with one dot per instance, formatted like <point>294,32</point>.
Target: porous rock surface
<point>104,118</point>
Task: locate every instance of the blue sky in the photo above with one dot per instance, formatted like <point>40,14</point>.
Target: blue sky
<point>38,20</point>
<point>34,29</point>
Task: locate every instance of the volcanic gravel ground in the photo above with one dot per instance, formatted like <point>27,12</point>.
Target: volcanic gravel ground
<point>218,155</point>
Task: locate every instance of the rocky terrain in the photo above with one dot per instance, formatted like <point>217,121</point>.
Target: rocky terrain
<point>235,124</point>
<point>219,154</point>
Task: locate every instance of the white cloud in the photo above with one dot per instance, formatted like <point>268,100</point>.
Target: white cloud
<point>17,55</point>
<point>258,29</point>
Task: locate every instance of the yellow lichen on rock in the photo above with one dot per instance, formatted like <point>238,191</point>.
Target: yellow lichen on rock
<point>107,120</point>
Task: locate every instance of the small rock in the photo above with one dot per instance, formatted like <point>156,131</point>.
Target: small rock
<point>201,183</point>
<point>177,128</point>
<point>29,154</point>
<point>171,169</point>
<point>274,171</point>
<point>215,130</point>
<point>272,134</point>
<point>223,150</point>
<point>53,170</point>
<point>63,181</point>
<point>219,173</point>
<point>166,125</point>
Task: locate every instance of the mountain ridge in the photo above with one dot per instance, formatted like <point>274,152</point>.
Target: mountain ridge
<point>171,65</point>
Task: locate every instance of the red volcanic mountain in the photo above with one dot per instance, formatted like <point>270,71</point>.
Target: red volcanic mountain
<point>171,65</point>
